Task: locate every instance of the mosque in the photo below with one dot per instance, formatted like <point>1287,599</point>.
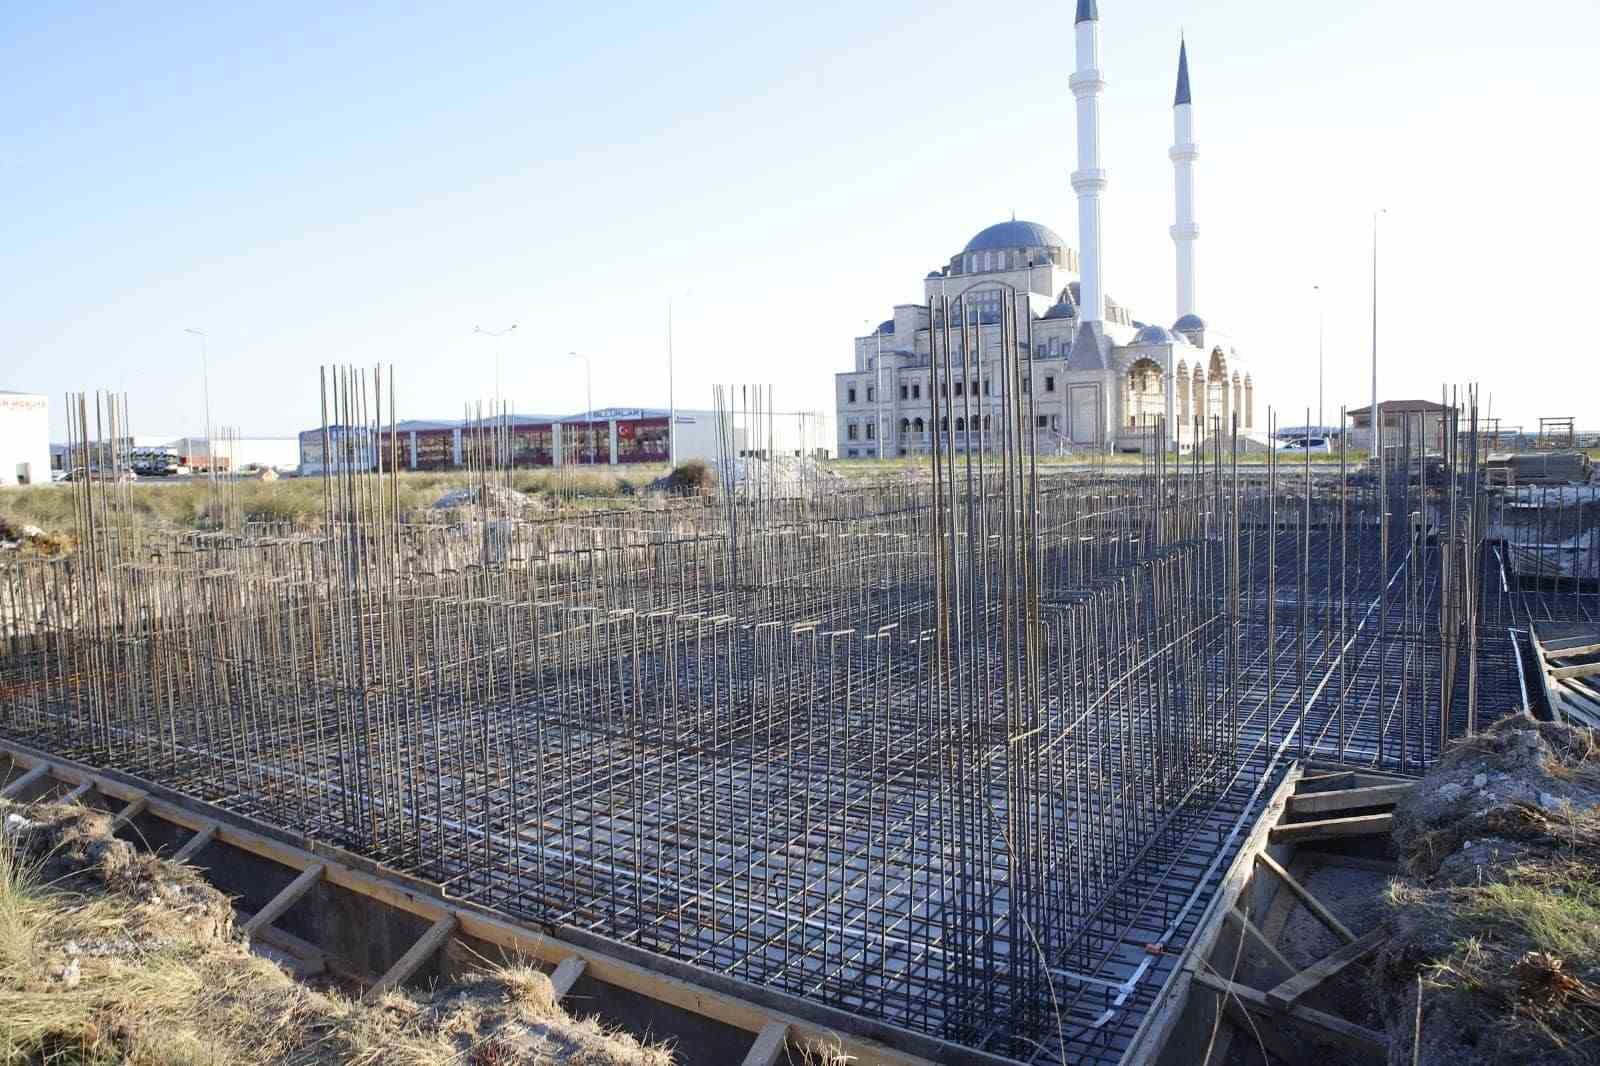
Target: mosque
<point>1098,377</point>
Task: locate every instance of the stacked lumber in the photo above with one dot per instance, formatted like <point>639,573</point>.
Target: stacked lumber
<point>1538,468</point>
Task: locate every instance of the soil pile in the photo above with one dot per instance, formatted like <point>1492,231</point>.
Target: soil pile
<point>1497,922</point>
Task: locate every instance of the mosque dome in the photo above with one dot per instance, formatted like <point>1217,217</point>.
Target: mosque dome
<point>1153,335</point>
<point>1062,310</point>
<point>1189,323</point>
<point>1014,234</point>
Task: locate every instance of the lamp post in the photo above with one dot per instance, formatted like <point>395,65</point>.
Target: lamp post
<point>205,384</point>
<point>1318,290</point>
<point>588,392</point>
<point>495,334</point>
<point>1376,414</point>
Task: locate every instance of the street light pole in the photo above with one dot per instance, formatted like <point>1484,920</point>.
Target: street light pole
<point>205,384</point>
<point>1318,290</point>
<point>496,334</point>
<point>588,392</point>
<point>1375,413</point>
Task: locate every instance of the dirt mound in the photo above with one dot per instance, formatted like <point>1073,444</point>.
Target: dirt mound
<point>109,955</point>
<point>495,497</point>
<point>689,478</point>
<point>1497,923</point>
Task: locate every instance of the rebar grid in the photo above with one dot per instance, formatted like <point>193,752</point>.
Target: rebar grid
<point>963,752</point>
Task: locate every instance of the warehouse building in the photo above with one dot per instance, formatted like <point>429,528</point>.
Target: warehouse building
<point>24,438</point>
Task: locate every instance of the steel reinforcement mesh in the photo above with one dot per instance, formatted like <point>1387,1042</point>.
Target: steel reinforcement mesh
<point>964,754</point>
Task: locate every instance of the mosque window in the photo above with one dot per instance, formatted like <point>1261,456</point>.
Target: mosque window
<point>852,432</point>
<point>986,386</point>
<point>1027,384</point>
<point>872,431</point>
<point>986,423</point>
<point>850,394</point>
<point>916,391</point>
<point>1041,421</point>
<point>959,386</point>
<point>961,424</point>
<point>905,392</point>
<point>919,426</point>
<point>872,394</point>
<point>1049,383</point>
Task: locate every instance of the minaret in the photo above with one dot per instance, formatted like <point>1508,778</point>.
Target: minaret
<point>1088,181</point>
<point>1183,153</point>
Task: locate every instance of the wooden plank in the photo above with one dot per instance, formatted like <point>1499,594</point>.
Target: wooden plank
<point>770,1043</point>
<point>1357,1037</point>
<point>1333,828</point>
<point>1312,903</point>
<point>205,835</point>
<point>130,810</point>
<point>23,783</point>
<point>1565,673</point>
<point>285,899</point>
<point>1247,928</point>
<point>567,973</point>
<point>1348,799</point>
<point>78,794</point>
<point>1286,993</point>
<point>1552,651</point>
<point>412,960</point>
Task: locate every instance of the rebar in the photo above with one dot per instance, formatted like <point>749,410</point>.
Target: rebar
<point>960,751</point>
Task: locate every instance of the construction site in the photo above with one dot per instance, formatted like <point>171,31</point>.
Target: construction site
<point>953,767</point>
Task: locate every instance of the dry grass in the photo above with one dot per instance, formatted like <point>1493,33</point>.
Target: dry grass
<point>110,956</point>
<point>189,504</point>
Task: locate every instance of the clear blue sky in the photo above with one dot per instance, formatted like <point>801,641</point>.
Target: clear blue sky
<point>337,182</point>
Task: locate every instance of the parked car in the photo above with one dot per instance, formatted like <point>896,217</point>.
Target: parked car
<point>1308,444</point>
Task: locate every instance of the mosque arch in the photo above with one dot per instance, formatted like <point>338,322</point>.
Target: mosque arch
<point>1146,392</point>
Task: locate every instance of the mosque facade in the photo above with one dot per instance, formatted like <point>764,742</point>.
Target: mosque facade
<point>1095,376</point>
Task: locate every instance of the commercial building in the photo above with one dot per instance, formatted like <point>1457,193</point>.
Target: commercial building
<point>24,438</point>
<point>604,437</point>
<point>1098,377</point>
